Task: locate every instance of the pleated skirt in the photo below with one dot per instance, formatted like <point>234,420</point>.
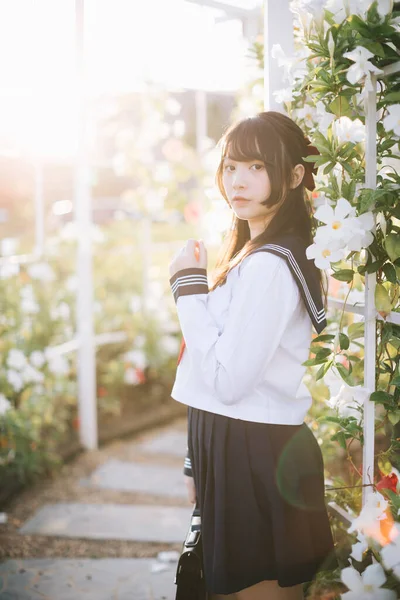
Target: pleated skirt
<point>260,490</point>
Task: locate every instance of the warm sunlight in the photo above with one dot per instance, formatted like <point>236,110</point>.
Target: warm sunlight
<point>177,44</point>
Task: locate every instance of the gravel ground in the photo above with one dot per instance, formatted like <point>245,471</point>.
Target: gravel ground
<point>64,486</point>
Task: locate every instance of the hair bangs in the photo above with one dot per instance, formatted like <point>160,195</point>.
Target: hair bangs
<point>242,143</point>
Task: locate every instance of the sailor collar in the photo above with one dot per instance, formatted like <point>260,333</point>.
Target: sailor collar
<point>293,249</point>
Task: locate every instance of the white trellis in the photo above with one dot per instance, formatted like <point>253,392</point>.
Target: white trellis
<point>279,13</point>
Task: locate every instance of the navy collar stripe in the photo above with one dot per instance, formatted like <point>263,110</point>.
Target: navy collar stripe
<point>319,314</point>
<point>293,250</point>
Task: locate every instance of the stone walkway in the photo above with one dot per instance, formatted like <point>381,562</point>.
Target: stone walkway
<point>146,472</point>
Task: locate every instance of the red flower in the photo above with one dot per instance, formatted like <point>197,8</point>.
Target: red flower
<point>102,391</point>
<point>75,423</point>
<point>140,375</point>
<point>388,482</point>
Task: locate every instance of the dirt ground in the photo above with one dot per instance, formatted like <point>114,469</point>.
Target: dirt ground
<point>64,486</point>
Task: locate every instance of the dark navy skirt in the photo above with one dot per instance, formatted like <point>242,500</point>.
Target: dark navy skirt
<point>260,490</point>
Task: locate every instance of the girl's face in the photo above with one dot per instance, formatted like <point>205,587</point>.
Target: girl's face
<point>246,185</point>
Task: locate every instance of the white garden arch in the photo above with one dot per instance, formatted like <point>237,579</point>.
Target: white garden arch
<point>278,28</point>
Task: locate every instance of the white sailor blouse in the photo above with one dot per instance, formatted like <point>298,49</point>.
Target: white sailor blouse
<point>246,340</point>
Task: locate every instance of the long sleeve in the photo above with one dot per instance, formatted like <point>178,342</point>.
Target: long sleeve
<point>264,298</point>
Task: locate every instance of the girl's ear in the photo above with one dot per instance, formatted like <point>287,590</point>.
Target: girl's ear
<point>297,176</point>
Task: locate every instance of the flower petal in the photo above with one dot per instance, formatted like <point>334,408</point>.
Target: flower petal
<point>374,575</point>
<point>352,579</point>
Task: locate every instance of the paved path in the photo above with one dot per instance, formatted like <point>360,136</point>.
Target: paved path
<point>112,578</point>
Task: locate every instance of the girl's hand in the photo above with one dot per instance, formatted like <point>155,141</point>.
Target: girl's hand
<point>191,490</point>
<point>185,258</point>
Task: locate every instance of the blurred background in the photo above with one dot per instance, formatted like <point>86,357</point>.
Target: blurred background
<point>110,112</point>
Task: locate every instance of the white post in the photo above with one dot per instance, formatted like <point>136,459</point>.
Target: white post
<point>370,311</point>
<point>146,243</point>
<point>86,366</point>
<point>278,29</point>
<point>39,206</point>
<point>201,135</point>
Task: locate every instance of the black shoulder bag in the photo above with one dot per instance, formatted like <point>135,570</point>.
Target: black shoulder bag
<point>189,576</point>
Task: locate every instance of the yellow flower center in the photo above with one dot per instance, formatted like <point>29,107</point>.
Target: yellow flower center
<point>336,225</point>
<point>326,253</point>
<point>368,587</point>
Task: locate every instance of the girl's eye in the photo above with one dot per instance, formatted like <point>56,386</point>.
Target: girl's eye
<point>229,168</point>
<point>258,167</point>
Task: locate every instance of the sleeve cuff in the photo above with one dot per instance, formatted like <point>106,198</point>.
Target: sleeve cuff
<point>187,469</point>
<point>187,282</point>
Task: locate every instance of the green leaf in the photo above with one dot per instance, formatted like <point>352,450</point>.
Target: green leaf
<point>342,370</point>
<point>322,352</point>
<point>341,438</point>
<point>344,275</point>
<point>392,97</point>
<point>374,47</point>
<point>394,417</point>
<point>390,272</point>
<point>392,245</point>
<point>382,299</point>
<point>344,341</point>
<point>324,337</point>
<point>340,107</point>
<point>396,381</point>
<point>321,142</point>
<point>321,372</point>
<point>355,330</point>
<point>381,398</point>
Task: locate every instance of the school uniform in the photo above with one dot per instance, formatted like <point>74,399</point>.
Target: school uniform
<point>257,467</point>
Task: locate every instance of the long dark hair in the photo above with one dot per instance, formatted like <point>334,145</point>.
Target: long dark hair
<point>276,140</point>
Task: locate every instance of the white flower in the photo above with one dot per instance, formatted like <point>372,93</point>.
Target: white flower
<point>172,106</point>
<point>346,130</point>
<point>58,365</point>
<point>7,271</point>
<point>139,341</point>
<point>362,66</point>
<point>170,345</point>
<point>284,61</point>
<point>361,231</point>
<point>30,374</point>
<point>372,512</point>
<point>392,120</point>
<point>14,378</point>
<point>178,128</point>
<point>384,7</point>
<point>358,549</point>
<point>41,271</point>
<point>283,95</point>
<point>28,302</point>
<point>349,401</point>
<point>137,358</point>
<point>135,304</point>
<point>337,222</point>
<point>368,585</point>
<point>391,552</point>
<point>130,376</point>
<point>37,359</point>
<point>308,114</point>
<point>16,359</point>
<point>324,253</point>
<point>62,311</point>
<point>322,117</point>
<point>5,405</point>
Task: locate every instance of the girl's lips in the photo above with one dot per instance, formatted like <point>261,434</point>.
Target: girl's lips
<point>240,200</point>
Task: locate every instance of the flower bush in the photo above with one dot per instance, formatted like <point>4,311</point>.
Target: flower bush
<point>38,392</point>
<point>340,45</point>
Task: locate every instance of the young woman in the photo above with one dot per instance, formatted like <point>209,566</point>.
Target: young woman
<point>253,465</point>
